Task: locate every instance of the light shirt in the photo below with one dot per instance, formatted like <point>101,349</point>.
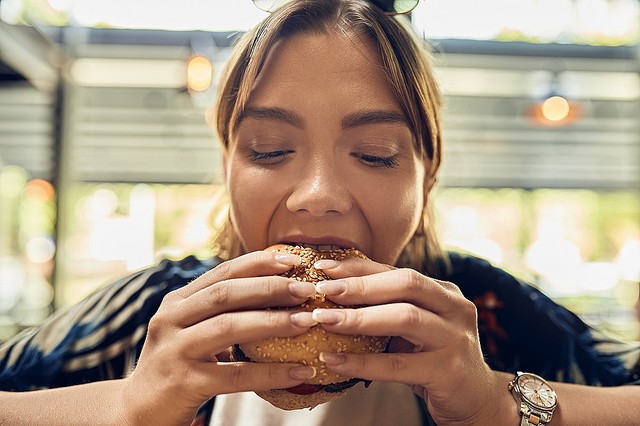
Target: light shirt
<point>381,404</point>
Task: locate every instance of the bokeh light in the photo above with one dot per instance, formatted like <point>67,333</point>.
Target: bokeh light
<point>555,108</point>
<point>39,190</point>
<point>40,249</point>
<point>199,73</point>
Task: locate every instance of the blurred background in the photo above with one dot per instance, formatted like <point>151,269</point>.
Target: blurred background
<point>109,162</point>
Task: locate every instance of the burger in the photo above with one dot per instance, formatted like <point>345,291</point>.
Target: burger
<point>306,348</point>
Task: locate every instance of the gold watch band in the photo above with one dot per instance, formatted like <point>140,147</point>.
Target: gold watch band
<point>530,419</point>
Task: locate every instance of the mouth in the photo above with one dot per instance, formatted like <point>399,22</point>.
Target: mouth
<point>317,247</point>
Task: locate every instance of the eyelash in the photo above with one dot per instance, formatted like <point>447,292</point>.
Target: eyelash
<point>275,157</point>
<point>271,157</point>
<point>376,161</point>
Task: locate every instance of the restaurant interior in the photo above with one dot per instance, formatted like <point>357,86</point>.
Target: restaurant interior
<point>109,159</point>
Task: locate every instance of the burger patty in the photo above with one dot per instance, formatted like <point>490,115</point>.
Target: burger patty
<point>239,355</point>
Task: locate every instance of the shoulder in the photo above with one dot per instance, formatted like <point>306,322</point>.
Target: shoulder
<point>99,337</point>
<point>486,284</point>
<point>515,316</point>
<point>145,287</point>
<point>170,273</point>
<point>141,293</point>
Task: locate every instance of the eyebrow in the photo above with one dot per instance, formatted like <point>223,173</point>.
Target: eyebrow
<point>363,118</point>
<point>273,113</point>
<point>360,118</point>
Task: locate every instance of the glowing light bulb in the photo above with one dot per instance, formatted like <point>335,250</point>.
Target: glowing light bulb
<point>199,73</point>
<point>555,108</point>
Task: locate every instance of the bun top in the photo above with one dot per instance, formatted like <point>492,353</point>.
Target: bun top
<point>308,273</point>
<point>305,271</point>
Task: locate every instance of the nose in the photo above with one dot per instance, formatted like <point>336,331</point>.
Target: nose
<point>319,191</point>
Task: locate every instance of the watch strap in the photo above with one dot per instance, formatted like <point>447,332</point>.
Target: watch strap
<point>530,419</point>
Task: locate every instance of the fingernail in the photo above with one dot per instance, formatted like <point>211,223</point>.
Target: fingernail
<point>301,289</point>
<point>288,259</point>
<point>332,358</point>
<point>303,319</point>
<point>331,288</point>
<point>327,316</point>
<point>326,264</point>
<point>302,373</point>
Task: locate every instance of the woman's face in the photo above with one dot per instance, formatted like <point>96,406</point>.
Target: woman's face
<point>323,154</point>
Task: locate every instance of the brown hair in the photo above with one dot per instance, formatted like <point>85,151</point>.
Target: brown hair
<point>407,67</point>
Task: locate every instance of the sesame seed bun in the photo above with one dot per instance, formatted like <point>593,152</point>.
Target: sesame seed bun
<point>286,400</point>
<point>305,348</point>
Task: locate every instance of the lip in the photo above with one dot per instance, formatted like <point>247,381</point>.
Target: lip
<point>318,241</point>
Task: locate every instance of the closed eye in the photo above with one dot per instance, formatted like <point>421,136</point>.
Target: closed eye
<point>270,157</point>
<point>377,161</point>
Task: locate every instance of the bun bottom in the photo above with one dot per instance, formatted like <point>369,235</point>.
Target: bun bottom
<point>285,400</point>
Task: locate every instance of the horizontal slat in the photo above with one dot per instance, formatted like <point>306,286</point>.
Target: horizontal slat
<point>541,138</point>
<point>26,129</point>
<point>23,94</point>
<point>94,131</point>
<point>455,120</point>
<point>38,130</point>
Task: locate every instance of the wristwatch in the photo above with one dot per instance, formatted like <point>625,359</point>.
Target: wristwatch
<point>536,397</point>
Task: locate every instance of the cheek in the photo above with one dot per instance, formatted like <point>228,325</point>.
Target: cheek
<point>398,221</point>
<point>395,217</point>
<point>251,207</point>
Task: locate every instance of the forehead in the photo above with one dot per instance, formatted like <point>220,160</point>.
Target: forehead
<point>341,68</point>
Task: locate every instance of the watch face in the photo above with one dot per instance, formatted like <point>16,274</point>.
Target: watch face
<point>536,391</point>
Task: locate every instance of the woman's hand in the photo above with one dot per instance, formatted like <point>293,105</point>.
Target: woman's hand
<point>436,349</point>
<point>181,365</point>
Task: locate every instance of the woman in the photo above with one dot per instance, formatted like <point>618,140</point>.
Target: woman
<point>329,119</point>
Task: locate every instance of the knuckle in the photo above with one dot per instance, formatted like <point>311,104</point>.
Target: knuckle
<point>171,298</point>
<point>413,280</point>
<point>357,286</point>
<point>409,315</point>
<point>469,310</point>
<point>155,327</point>
<point>218,294</point>
<point>273,320</point>
<point>221,272</point>
<point>397,364</point>
<point>224,325</point>
<point>162,319</point>
<point>359,362</point>
<point>355,317</point>
<point>448,285</point>
<point>274,373</point>
<point>237,377</point>
<point>157,321</point>
<point>188,375</point>
<point>274,285</point>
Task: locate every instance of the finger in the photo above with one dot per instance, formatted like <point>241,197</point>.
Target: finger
<point>407,368</point>
<point>351,267</point>
<point>257,263</point>
<point>220,378</point>
<point>212,336</point>
<point>241,294</point>
<point>424,329</point>
<point>439,369</point>
<point>399,285</point>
